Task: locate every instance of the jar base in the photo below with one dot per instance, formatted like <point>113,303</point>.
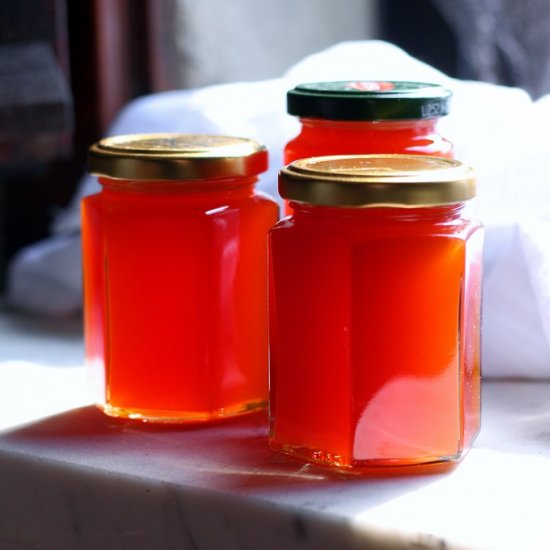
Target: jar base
<point>159,416</point>
<point>371,467</point>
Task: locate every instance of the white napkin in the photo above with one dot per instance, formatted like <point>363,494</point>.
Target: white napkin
<point>496,129</point>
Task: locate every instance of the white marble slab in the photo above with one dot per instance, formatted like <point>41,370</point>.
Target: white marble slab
<point>71,478</point>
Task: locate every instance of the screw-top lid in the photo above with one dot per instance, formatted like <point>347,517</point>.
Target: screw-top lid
<point>176,157</point>
<point>377,180</point>
<point>368,100</point>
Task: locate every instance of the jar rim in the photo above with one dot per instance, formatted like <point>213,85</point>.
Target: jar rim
<point>361,181</point>
<point>176,156</point>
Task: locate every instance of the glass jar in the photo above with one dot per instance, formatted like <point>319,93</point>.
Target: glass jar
<point>375,314</point>
<point>341,118</point>
<point>175,273</point>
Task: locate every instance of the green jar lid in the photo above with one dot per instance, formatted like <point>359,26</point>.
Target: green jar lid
<point>368,100</point>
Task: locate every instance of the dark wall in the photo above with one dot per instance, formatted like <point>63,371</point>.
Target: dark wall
<point>418,28</point>
<point>99,52</point>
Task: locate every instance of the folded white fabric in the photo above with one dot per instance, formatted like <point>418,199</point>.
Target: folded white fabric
<point>496,129</point>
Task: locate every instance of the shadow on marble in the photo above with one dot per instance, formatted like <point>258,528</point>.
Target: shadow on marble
<point>90,420</point>
<point>87,478</point>
<point>231,456</point>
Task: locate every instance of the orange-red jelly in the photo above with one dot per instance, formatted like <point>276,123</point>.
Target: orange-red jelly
<point>340,118</point>
<point>375,314</point>
<point>176,278</point>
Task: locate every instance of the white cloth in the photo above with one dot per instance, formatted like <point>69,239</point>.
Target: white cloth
<point>496,129</point>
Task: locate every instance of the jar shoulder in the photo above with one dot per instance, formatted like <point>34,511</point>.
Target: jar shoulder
<point>357,229</point>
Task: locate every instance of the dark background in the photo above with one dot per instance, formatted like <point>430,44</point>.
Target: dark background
<point>104,53</point>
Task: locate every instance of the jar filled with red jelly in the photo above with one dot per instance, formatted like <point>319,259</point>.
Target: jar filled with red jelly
<point>175,277</point>
<point>375,314</point>
<point>341,118</point>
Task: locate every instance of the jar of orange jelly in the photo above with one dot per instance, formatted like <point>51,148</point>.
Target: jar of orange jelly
<point>341,118</point>
<point>375,314</point>
<point>175,277</point>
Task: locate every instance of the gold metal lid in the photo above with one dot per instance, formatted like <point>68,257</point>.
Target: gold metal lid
<point>377,180</point>
<point>176,157</point>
